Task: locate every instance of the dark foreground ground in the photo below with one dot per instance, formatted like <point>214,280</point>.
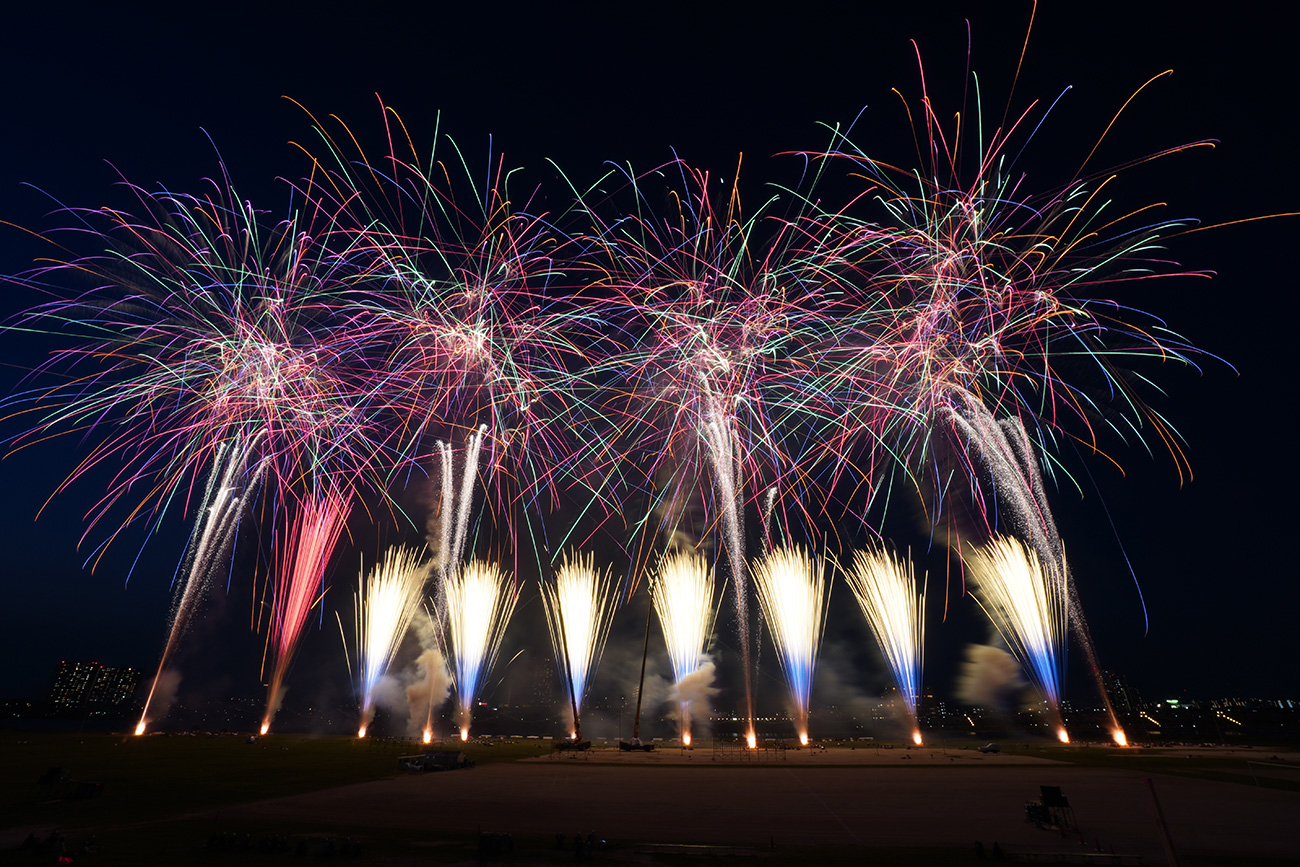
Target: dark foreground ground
<point>297,801</point>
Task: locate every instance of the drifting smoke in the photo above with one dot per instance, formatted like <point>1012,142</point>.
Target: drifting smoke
<point>691,695</point>
<point>845,680</point>
<point>430,686</point>
<point>389,694</point>
<point>990,677</point>
<point>275,698</point>
<point>161,696</point>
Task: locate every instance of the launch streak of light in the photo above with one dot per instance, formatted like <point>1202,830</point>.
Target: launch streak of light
<point>386,602</point>
<point>580,605</point>
<point>894,607</point>
<point>1028,607</point>
<point>298,580</point>
<point>224,502</point>
<point>794,599</point>
<point>479,601</point>
<point>683,597</point>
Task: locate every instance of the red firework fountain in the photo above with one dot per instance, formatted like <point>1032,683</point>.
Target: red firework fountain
<point>298,582</point>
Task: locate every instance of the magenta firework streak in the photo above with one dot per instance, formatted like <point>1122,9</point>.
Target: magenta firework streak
<point>298,582</point>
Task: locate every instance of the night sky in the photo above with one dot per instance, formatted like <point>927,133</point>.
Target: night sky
<point>94,91</point>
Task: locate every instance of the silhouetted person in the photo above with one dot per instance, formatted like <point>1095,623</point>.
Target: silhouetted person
<point>979,848</point>
<point>997,850</point>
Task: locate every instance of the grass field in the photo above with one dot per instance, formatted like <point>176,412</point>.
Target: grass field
<point>158,800</point>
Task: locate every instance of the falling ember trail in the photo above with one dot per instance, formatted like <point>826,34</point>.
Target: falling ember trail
<point>1005,450</point>
<point>223,502</point>
<point>725,458</point>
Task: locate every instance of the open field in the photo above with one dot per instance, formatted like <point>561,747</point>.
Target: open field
<point>220,800</point>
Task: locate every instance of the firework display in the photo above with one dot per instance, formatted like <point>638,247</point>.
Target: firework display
<point>1027,605</point>
<point>643,363</point>
<point>479,602</point>
<point>299,578</point>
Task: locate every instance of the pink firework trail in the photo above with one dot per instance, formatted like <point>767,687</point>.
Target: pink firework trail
<point>298,583</point>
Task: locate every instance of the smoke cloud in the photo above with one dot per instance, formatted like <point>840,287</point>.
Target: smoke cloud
<point>429,688</point>
<point>990,677</point>
<point>691,696</point>
<point>163,694</point>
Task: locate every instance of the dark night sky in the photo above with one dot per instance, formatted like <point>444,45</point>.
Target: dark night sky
<point>95,89</point>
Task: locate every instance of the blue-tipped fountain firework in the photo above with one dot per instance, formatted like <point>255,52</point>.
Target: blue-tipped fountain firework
<point>479,602</point>
<point>894,607</point>
<point>794,598</point>
<point>1028,606</point>
<point>580,604</point>
<point>683,597</point>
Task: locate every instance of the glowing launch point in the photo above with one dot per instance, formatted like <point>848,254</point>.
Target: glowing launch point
<point>1121,739</point>
<point>803,739</point>
<point>139,730</point>
<point>686,739</point>
<point>464,734</point>
<point>1062,735</point>
<point>916,738</point>
<point>751,741</point>
<point>266,726</point>
<point>428,736</point>
<point>361,732</point>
